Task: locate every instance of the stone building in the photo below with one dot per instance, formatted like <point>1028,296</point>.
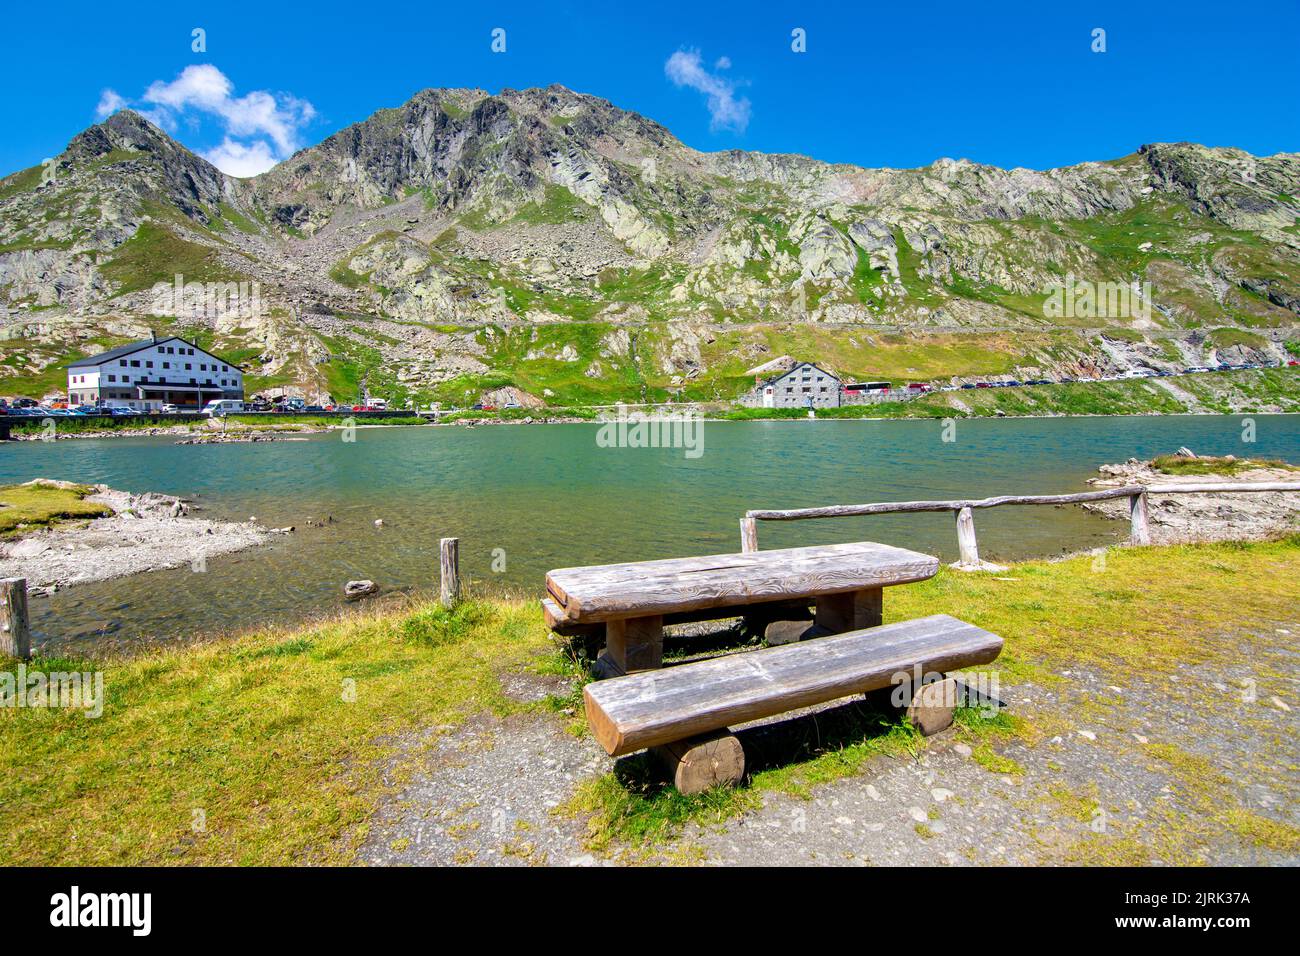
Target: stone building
<point>804,385</point>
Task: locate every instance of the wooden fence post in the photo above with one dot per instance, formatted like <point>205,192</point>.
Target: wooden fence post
<point>966,544</point>
<point>15,636</point>
<point>1140,528</point>
<point>449,591</point>
<point>748,534</point>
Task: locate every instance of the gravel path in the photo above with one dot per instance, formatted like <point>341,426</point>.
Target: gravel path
<point>1113,778</point>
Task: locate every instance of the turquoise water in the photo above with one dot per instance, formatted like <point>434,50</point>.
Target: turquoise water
<point>529,498</point>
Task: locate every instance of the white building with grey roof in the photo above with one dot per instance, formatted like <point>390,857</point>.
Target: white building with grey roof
<point>148,374</point>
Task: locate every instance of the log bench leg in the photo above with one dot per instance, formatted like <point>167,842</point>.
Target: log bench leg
<point>850,611</point>
<point>699,763</point>
<point>930,708</point>
<point>635,644</point>
<point>933,705</point>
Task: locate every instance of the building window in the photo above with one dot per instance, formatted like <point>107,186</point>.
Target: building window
<point>122,362</point>
<point>167,364</point>
<point>188,366</point>
<point>225,368</point>
<point>148,364</point>
<point>112,378</point>
<point>135,363</point>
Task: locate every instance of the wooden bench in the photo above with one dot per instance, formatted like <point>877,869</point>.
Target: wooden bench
<point>680,710</point>
<point>630,603</point>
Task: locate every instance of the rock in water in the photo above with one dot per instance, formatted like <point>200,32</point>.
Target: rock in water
<point>356,590</point>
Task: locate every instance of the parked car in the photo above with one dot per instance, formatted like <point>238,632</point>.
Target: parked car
<point>223,406</point>
<point>122,411</point>
<point>1293,362</point>
<point>169,409</point>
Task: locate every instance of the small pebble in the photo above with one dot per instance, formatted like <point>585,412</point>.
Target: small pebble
<point>917,814</point>
<point>940,794</point>
<point>1088,734</point>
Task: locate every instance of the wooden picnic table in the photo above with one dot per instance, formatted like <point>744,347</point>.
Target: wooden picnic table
<point>631,600</point>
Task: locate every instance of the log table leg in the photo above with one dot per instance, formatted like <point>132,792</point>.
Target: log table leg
<point>851,610</point>
<point>631,645</point>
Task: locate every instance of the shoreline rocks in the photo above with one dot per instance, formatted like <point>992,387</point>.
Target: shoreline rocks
<point>146,532</point>
<point>1192,518</point>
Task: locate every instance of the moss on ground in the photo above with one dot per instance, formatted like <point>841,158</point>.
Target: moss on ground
<point>26,507</point>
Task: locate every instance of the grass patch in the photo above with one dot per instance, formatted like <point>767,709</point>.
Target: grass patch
<point>156,254</point>
<point>281,738</point>
<point>24,507</point>
<point>1227,466</point>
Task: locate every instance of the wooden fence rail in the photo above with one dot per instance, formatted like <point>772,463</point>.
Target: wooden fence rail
<point>963,510</point>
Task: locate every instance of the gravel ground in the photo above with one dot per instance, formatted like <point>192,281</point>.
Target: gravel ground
<point>1093,787</point>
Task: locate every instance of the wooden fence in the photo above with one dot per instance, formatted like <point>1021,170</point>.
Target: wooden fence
<point>964,510</point>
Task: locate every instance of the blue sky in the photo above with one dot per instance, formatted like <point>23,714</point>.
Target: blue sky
<point>1013,84</point>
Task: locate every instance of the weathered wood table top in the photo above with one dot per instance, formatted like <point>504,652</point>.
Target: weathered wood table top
<point>614,592</point>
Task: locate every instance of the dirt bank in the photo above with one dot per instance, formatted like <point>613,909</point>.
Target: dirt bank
<point>146,532</point>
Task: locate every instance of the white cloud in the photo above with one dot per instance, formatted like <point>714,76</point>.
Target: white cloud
<point>109,103</point>
<point>207,89</point>
<point>261,128</point>
<point>237,159</point>
<point>725,110</point>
